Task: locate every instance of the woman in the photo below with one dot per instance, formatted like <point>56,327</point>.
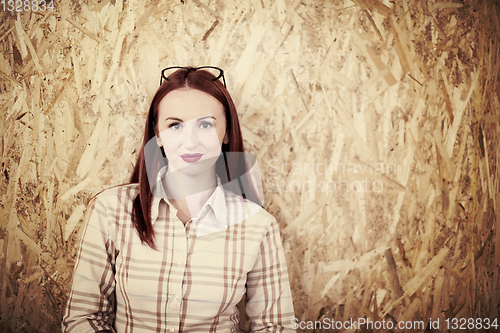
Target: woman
<point>176,250</point>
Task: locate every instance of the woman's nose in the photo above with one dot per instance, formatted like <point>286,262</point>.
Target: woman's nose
<point>190,138</point>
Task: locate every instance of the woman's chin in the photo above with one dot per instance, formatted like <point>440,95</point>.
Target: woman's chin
<point>197,168</point>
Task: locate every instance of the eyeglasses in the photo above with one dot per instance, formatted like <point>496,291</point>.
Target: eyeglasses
<point>215,71</point>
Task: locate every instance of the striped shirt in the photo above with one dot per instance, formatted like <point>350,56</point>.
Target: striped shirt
<point>194,280</point>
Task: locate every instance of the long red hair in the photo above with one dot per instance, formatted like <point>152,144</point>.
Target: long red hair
<point>228,167</point>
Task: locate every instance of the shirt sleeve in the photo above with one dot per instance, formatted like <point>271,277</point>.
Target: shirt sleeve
<point>90,306</point>
<point>269,305</point>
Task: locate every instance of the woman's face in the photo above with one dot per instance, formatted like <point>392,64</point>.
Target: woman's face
<point>191,130</point>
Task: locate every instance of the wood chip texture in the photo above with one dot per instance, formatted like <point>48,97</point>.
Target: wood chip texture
<point>375,124</point>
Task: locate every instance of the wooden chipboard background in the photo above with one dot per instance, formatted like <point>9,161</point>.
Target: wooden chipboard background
<point>375,124</point>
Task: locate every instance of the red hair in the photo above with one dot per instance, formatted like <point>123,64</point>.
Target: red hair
<point>228,166</point>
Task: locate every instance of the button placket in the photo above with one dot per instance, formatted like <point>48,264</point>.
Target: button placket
<point>179,246</point>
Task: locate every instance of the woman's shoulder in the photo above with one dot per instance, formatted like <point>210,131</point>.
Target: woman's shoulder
<point>255,213</point>
<point>117,195</point>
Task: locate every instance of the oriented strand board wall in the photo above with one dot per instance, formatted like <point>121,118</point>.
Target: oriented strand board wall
<point>375,124</point>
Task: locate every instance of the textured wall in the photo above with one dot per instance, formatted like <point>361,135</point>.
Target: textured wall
<point>375,124</point>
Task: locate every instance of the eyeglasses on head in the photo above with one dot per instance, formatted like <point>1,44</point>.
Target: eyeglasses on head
<point>216,71</point>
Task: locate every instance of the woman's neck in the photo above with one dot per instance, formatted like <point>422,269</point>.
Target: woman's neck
<point>189,193</point>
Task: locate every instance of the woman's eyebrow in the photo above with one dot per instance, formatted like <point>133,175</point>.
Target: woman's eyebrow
<point>173,118</point>
<point>207,116</point>
<point>198,119</point>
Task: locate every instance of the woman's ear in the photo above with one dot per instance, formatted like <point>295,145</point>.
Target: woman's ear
<point>226,139</point>
<point>157,135</point>
<point>158,141</point>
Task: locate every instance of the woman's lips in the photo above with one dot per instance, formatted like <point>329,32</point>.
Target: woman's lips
<point>191,158</point>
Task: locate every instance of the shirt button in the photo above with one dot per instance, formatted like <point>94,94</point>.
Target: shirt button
<point>188,236</point>
<point>172,329</point>
<point>179,262</point>
<point>176,297</point>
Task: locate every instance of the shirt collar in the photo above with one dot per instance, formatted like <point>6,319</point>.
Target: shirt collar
<point>158,194</point>
<point>216,203</point>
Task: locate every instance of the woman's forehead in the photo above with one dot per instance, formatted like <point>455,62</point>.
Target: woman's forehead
<point>188,104</point>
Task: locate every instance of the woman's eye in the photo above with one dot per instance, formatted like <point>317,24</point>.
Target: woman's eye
<point>175,126</point>
<point>206,125</point>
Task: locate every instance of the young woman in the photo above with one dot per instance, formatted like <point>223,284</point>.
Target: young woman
<point>176,250</point>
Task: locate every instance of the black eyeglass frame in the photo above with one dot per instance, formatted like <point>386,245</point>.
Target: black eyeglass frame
<point>189,69</point>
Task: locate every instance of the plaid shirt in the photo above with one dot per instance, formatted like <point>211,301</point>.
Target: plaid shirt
<point>193,282</point>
